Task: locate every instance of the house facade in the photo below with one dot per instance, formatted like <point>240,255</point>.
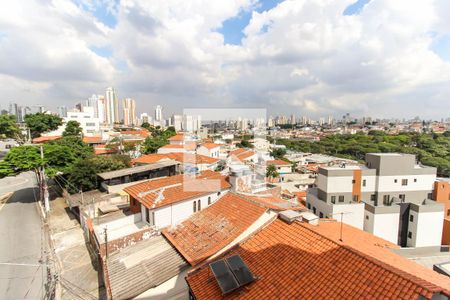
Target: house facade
<point>390,197</point>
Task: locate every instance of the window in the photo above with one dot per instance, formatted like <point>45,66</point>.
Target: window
<point>194,206</point>
<point>367,217</point>
<point>448,213</point>
<point>409,235</point>
<point>341,198</point>
<point>8,146</point>
<point>333,199</point>
<point>395,180</point>
<point>320,215</point>
<point>411,218</point>
<point>430,196</point>
<point>353,181</point>
<point>373,197</point>
<point>364,182</point>
<point>402,197</point>
<point>404,181</point>
<point>309,206</point>
<point>386,199</point>
<point>90,124</point>
<point>314,210</point>
<point>152,221</point>
<point>415,179</point>
<point>209,200</point>
<point>355,198</point>
<point>199,205</point>
<point>218,193</point>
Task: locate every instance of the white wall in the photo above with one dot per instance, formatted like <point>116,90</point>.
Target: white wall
<point>284,169</point>
<point>370,184</point>
<point>426,229</point>
<point>208,152</point>
<point>383,225</point>
<point>388,184</point>
<point>176,213</point>
<point>172,150</point>
<point>335,184</point>
<point>353,214</point>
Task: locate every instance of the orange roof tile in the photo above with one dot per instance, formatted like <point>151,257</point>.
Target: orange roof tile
<point>210,230</point>
<point>43,139</point>
<point>302,261</point>
<point>210,145</point>
<point>177,188</point>
<point>102,149</point>
<point>242,153</point>
<point>92,139</point>
<point>177,137</point>
<point>275,203</point>
<point>278,162</point>
<point>143,132</point>
<point>180,157</point>
<point>187,146</point>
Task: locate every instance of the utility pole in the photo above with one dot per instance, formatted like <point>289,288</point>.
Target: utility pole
<point>44,183</point>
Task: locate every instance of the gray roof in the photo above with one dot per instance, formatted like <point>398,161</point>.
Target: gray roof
<point>138,169</point>
<point>96,195</point>
<point>142,266</point>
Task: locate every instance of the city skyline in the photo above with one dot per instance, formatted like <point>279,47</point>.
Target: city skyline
<point>320,58</point>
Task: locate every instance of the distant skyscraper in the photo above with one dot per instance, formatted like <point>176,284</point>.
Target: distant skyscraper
<point>129,112</point>
<point>112,106</point>
<point>62,111</point>
<point>177,122</point>
<point>158,113</point>
<point>13,109</point>
<point>101,109</point>
<point>144,118</point>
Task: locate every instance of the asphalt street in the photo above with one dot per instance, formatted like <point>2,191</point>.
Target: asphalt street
<point>21,240</point>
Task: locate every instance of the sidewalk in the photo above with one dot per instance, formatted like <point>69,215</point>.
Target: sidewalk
<point>79,276</point>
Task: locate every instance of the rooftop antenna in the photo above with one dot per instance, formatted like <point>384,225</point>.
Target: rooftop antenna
<point>341,227</point>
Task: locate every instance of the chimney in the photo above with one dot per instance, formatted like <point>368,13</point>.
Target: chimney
<point>240,179</point>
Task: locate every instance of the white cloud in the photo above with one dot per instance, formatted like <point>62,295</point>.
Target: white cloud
<point>302,56</point>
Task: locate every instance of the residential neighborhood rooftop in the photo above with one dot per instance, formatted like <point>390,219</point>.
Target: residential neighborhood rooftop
<point>211,229</point>
<point>299,261</point>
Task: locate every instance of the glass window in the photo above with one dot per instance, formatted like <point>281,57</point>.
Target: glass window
<point>372,197</point>
<point>353,181</point>
<point>386,199</point>
<point>364,182</point>
<point>409,234</point>
<point>320,215</point>
<point>194,206</point>
<point>341,198</point>
<point>411,218</point>
<point>209,200</point>
<point>448,213</point>
<point>395,180</point>
<point>415,179</point>
<point>333,199</point>
<point>199,205</point>
<point>314,210</point>
<point>404,181</point>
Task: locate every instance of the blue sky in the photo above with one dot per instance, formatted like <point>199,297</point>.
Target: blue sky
<point>232,29</point>
<point>356,7</point>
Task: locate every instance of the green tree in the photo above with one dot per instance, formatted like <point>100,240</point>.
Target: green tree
<point>158,139</point>
<point>72,129</point>
<point>39,123</point>
<point>278,153</point>
<point>8,127</point>
<point>146,125</point>
<point>271,171</point>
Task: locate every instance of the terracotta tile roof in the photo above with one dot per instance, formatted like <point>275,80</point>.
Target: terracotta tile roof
<point>278,162</point>
<point>92,139</point>
<point>165,191</point>
<point>143,132</point>
<point>299,262</point>
<point>210,145</point>
<point>187,146</point>
<point>177,137</point>
<point>43,139</point>
<point>102,149</point>
<point>275,203</point>
<point>242,153</point>
<point>180,157</point>
<point>210,230</point>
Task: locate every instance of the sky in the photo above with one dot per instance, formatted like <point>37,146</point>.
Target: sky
<point>314,58</point>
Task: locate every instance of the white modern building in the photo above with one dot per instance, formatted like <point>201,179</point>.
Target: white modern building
<point>112,106</point>
<point>129,112</point>
<point>389,197</point>
<point>88,122</point>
